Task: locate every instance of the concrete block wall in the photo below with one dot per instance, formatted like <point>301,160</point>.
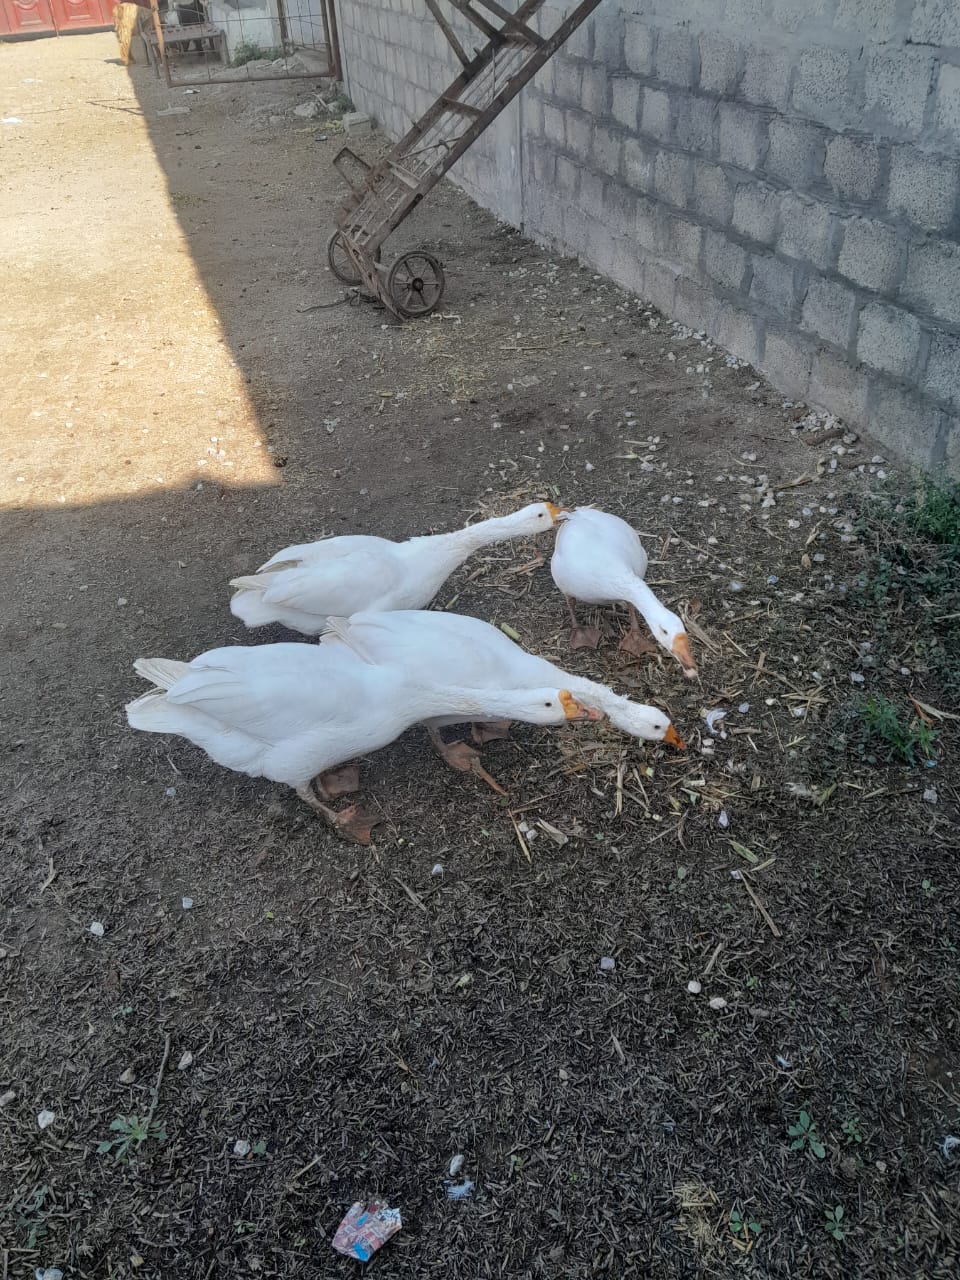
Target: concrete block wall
<point>783,175</point>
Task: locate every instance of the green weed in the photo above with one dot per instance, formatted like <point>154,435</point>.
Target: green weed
<point>250,51</point>
<point>834,1223</point>
<point>907,740</point>
<point>805,1136</point>
<point>132,1132</point>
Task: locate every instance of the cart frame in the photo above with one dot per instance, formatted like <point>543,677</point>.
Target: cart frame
<point>382,195</point>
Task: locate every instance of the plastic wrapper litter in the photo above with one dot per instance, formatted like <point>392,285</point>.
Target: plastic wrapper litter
<point>365,1228</point>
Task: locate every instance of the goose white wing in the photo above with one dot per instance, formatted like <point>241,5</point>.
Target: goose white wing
<point>272,692</point>
<point>330,579</point>
<point>444,648</point>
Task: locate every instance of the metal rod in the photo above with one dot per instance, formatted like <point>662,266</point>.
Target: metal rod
<point>447,30</point>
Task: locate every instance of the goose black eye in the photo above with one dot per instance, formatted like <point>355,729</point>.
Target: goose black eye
<point>548,704</point>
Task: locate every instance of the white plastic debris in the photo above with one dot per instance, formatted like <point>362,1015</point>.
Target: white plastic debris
<point>11,120</point>
<point>951,1146</point>
<point>48,1273</point>
<point>186,1060</point>
<point>45,1119</point>
<point>186,903</point>
<point>856,677</point>
<point>718,1003</point>
<point>714,717</point>
<point>694,987</point>
<point>456,1164</point>
<point>931,795</point>
<point>723,820</point>
<point>736,586</point>
<point>437,869</point>
<point>7,1097</point>
<point>783,1062</point>
<point>607,964</point>
<point>96,928</point>
<point>170,792</point>
<point>743,708</point>
<point>241,1147</point>
<point>460,1191</point>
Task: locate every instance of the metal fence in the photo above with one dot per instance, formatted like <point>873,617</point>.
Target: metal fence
<point>231,41</point>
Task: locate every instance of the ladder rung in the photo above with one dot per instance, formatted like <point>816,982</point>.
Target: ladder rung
<point>404,175</point>
<point>464,108</point>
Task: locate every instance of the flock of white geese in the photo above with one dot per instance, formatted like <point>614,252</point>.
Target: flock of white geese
<point>299,713</point>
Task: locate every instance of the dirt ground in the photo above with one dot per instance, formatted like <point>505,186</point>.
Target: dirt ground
<point>330,1023</point>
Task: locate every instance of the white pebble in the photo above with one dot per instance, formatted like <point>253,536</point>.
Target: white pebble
<point>186,903</point>
<point>723,820</point>
<point>718,1002</point>
<point>45,1119</point>
<point>607,964</point>
<point>437,869</point>
<point>456,1164</point>
<point>170,792</point>
<point>694,987</point>
<point>186,1060</point>
<point>96,928</point>
<point>931,795</point>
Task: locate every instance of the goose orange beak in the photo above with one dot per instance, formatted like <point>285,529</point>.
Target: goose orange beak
<point>674,738</point>
<point>556,512</point>
<point>574,710</point>
<point>681,651</point>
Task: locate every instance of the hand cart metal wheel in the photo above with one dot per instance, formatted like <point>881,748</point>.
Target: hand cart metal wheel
<point>382,195</point>
<point>415,284</point>
<point>340,262</point>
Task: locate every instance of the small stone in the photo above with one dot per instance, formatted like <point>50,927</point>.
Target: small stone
<point>456,1164</point>
<point>96,928</point>
<point>743,708</point>
<point>931,795</point>
<point>736,586</point>
<point>186,903</point>
<point>856,677</point>
<point>718,1003</point>
<point>437,869</point>
<point>607,964</point>
<point>121,601</point>
<point>7,1097</point>
<point>723,819</point>
<point>694,987</point>
<point>588,466</point>
<point>186,1060</point>
<point>241,1147</point>
<point>128,1076</point>
<point>45,1119</point>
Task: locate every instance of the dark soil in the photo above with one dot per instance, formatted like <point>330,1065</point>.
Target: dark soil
<point>354,1018</point>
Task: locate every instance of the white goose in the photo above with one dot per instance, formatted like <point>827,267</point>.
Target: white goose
<point>293,712</point>
<point>599,559</point>
<point>452,647</point>
<point>302,586</point>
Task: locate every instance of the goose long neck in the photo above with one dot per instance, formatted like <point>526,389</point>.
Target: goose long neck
<point>643,600</point>
<point>464,542</point>
<point>488,704</point>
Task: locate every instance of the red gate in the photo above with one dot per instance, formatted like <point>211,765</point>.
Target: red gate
<point>50,17</point>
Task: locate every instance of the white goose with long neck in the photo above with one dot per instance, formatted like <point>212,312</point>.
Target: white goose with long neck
<point>301,586</point>
<point>599,559</point>
<point>290,712</point>
<point>451,647</point>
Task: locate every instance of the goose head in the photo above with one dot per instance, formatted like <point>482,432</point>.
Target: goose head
<point>538,517</point>
<point>549,706</point>
<point>669,633</point>
<point>646,723</point>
